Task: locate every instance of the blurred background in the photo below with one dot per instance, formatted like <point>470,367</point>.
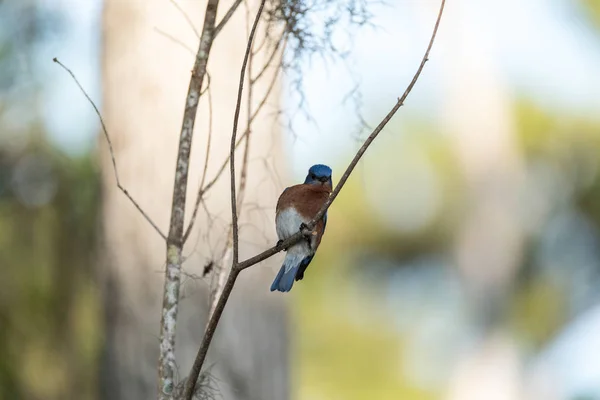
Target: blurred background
<point>461,260</point>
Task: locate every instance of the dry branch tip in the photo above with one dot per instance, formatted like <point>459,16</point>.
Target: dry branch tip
<point>110,149</point>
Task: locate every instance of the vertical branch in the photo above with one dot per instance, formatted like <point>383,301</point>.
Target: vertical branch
<point>236,117</point>
<point>222,269</point>
<point>244,172</point>
<point>214,318</point>
<point>166,363</point>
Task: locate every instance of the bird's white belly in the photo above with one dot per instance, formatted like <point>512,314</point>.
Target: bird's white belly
<point>287,222</point>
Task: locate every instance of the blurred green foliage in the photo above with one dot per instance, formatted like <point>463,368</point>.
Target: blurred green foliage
<point>50,310</point>
<point>592,10</point>
<point>341,358</point>
<point>567,144</point>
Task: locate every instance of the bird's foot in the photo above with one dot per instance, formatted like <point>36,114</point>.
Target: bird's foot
<point>279,243</point>
<point>307,236</point>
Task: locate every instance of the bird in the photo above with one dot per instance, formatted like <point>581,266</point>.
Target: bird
<point>296,206</point>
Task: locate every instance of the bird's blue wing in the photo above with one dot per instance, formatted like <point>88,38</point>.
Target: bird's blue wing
<point>303,265</point>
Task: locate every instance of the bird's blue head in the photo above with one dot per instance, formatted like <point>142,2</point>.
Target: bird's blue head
<point>319,174</point>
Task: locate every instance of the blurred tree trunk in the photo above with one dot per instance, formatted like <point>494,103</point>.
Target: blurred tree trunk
<point>146,70</point>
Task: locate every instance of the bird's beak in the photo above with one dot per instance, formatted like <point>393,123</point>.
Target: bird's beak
<point>324,179</point>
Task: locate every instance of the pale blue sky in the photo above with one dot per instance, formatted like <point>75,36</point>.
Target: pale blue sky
<point>544,48</point>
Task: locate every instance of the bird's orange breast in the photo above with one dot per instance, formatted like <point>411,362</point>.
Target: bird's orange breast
<point>306,199</point>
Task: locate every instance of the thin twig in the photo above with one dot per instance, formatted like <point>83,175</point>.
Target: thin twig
<point>262,44</point>
<point>238,267</point>
<point>222,271</point>
<point>174,39</point>
<point>270,59</point>
<point>209,139</point>
<point>111,151</point>
<point>172,285</point>
<point>244,172</point>
<point>267,39</point>
<point>267,94</point>
<point>210,328</point>
<point>238,106</point>
<point>207,84</point>
<point>381,125</point>
<point>186,16</point>
<point>220,274</point>
<point>223,268</point>
<point>227,16</point>
<point>203,189</point>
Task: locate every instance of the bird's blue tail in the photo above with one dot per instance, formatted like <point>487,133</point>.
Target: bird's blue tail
<point>284,280</point>
<point>287,274</point>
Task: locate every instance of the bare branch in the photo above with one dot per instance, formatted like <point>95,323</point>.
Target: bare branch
<point>212,325</point>
<point>174,39</point>
<point>244,173</point>
<point>234,216</point>
<point>269,61</point>
<point>186,16</point>
<point>223,268</point>
<point>227,16</point>
<point>111,151</point>
<point>190,383</point>
<point>262,103</point>
<point>207,84</point>
<point>220,274</point>
<point>203,189</point>
<point>238,267</point>
<point>172,285</point>
<point>262,44</point>
<point>381,125</point>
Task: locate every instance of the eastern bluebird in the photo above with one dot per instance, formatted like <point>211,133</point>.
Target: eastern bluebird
<point>296,206</point>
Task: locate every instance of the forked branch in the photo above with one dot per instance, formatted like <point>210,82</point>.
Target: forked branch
<point>111,151</point>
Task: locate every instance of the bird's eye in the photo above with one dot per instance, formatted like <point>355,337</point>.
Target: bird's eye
<point>313,176</point>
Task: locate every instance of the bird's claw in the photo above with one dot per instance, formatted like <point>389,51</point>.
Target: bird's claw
<point>307,236</point>
<point>279,243</point>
